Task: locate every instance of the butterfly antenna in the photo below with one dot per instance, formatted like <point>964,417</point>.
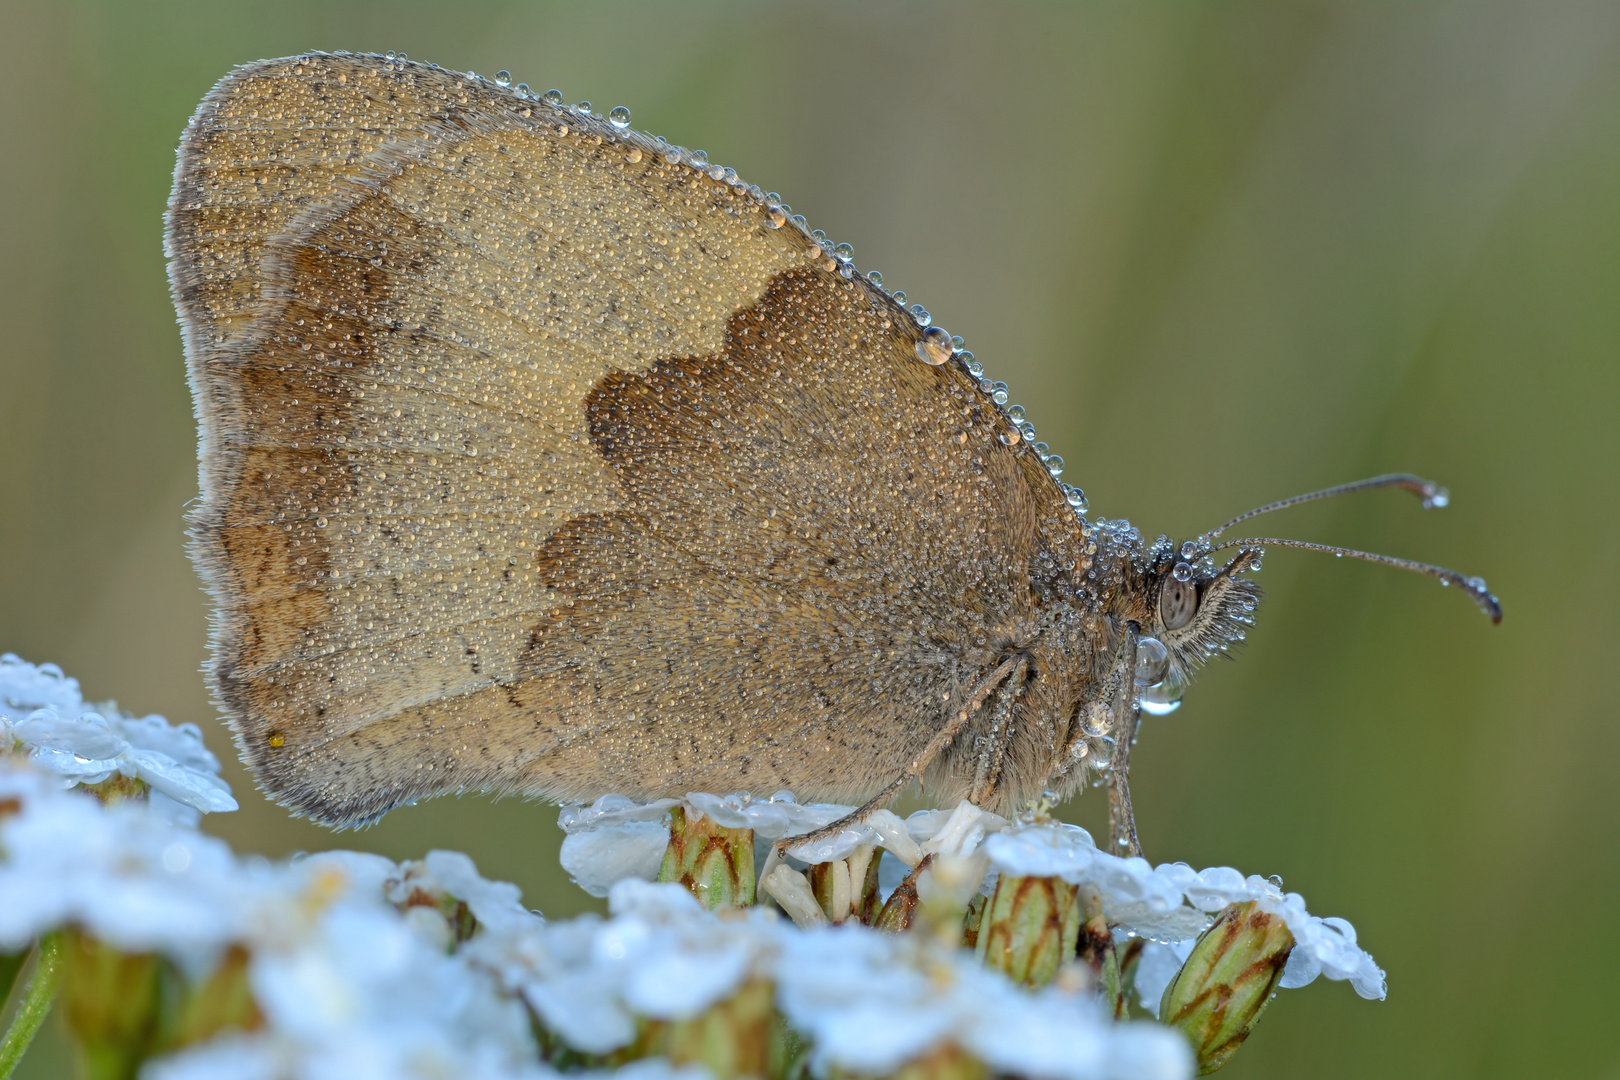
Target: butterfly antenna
<point>1432,494</point>
<point>1473,586</point>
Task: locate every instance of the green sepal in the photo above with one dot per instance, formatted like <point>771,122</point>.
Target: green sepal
<point>1030,926</point>
<point>714,862</point>
<point>1221,991</point>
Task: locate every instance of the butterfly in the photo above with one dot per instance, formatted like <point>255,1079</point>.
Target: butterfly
<point>540,455</point>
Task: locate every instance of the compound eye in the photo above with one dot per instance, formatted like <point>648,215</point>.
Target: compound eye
<point>1178,602</point>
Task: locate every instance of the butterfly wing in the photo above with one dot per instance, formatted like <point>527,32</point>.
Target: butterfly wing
<point>533,461</point>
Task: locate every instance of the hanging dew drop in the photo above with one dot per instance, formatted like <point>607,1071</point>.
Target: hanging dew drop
<point>935,346</point>
<point>1152,661</point>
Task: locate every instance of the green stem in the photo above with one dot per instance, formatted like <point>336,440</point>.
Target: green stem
<point>36,1002</point>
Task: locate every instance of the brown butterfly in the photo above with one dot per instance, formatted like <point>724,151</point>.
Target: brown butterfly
<point>543,456</point>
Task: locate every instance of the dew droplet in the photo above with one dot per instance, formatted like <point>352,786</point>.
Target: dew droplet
<point>619,117</point>
<point>522,89</point>
<point>1054,464</point>
<point>583,107</point>
<point>899,297</point>
<point>699,159</point>
<point>920,313</point>
<point>957,342</point>
<point>844,251</point>
<point>672,155</point>
<point>774,217</point>
<point>503,78</point>
<point>998,393</point>
<point>1015,413</point>
<point>1008,438</point>
<point>633,155</point>
<point>935,346</point>
<point>1077,499</point>
<point>1182,572</point>
<point>552,97</point>
<point>975,368</point>
<point>874,277</point>
<point>1152,661</point>
<point>391,55</point>
<point>1435,497</point>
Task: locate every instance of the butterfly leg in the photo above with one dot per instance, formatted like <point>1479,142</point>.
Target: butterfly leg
<point>919,764</point>
<point>996,739</point>
<point>1121,815</point>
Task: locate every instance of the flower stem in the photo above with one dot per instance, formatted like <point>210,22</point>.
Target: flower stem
<point>36,1002</point>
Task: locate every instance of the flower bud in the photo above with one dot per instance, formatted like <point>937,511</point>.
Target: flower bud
<point>111,1002</point>
<point>1219,993</point>
<point>734,1038</point>
<point>123,1008</point>
<point>714,862</point>
<point>900,910</point>
<point>1029,927</point>
<point>1095,949</point>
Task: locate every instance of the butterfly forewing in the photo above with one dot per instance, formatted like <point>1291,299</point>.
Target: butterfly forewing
<point>533,461</point>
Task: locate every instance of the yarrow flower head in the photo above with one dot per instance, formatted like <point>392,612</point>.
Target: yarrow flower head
<point>43,714</point>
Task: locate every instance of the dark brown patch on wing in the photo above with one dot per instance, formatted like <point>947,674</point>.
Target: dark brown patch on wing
<point>821,544</point>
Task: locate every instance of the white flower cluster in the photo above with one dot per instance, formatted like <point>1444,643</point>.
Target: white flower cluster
<point>41,710</point>
<point>1169,904</point>
<point>348,984</point>
<point>869,1001</point>
<point>352,966</point>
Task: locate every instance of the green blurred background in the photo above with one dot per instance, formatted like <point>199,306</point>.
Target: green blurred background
<point>1225,252</point>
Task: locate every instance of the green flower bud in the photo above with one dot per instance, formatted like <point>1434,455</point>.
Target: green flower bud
<point>1095,949</point>
<point>714,862</point>
<point>946,1063</point>
<point>1030,927</point>
<point>111,1001</point>
<point>123,1008</point>
<point>732,1039</point>
<point>1219,993</point>
<point>900,910</point>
